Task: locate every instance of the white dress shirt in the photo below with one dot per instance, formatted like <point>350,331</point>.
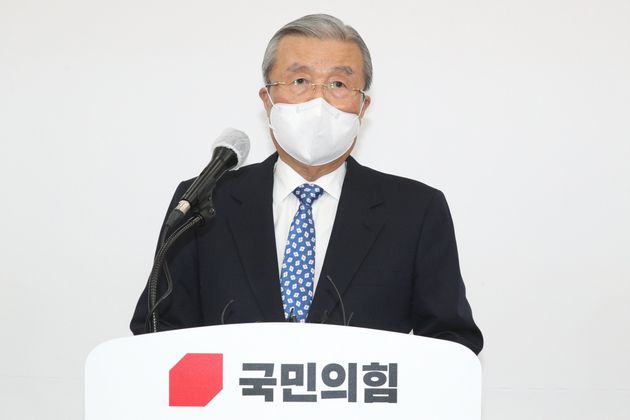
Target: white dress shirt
<point>286,204</point>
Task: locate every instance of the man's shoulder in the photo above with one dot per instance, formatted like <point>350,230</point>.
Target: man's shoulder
<point>390,185</point>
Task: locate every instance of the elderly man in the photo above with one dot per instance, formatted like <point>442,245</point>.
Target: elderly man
<point>309,234</point>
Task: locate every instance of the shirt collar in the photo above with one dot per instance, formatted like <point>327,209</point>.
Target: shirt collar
<point>285,180</point>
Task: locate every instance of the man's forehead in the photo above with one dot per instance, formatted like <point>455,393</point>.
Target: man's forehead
<point>303,68</point>
<point>309,54</point>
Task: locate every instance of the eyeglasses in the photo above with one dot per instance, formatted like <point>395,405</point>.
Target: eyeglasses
<point>300,87</point>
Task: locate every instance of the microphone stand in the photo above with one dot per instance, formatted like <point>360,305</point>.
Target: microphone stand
<point>204,213</point>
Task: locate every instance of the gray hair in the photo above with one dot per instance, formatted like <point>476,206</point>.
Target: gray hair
<point>323,27</point>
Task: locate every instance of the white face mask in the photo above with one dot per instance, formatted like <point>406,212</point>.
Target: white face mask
<point>313,132</point>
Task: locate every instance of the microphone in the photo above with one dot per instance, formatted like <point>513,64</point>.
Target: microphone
<point>229,152</point>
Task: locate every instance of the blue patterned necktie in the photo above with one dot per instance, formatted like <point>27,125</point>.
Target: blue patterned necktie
<point>298,267</point>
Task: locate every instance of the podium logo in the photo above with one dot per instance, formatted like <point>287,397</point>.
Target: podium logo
<point>195,380</point>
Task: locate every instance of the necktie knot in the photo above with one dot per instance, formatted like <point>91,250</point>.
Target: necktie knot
<point>308,193</point>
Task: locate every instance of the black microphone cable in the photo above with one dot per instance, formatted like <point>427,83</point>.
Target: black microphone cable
<point>158,265</point>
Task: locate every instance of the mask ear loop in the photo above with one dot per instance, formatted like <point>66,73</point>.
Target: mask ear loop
<point>359,114</point>
<point>272,105</point>
<point>269,96</point>
<point>361,107</point>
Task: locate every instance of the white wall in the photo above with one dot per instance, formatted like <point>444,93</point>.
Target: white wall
<point>518,111</point>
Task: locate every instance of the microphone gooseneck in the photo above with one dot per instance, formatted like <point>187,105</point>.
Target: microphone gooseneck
<point>343,308</point>
<point>224,311</point>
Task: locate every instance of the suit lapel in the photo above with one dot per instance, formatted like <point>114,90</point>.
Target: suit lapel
<point>357,224</point>
<point>251,223</point>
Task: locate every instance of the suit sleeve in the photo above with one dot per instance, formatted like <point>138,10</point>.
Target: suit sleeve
<point>182,308</point>
<point>440,307</point>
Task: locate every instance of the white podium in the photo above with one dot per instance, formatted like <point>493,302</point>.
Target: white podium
<point>276,370</point>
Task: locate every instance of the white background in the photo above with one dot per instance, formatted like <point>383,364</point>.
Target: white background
<point>518,110</point>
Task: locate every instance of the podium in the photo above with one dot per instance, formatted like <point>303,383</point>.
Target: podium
<point>277,370</point>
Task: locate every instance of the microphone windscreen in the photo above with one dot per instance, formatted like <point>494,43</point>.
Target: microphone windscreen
<point>235,140</point>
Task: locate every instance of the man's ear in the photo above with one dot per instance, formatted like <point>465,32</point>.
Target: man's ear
<point>366,103</point>
<point>264,96</point>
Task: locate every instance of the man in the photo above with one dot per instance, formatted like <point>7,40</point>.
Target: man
<point>309,234</point>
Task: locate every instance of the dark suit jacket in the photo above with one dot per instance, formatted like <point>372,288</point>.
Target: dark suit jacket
<point>392,255</point>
